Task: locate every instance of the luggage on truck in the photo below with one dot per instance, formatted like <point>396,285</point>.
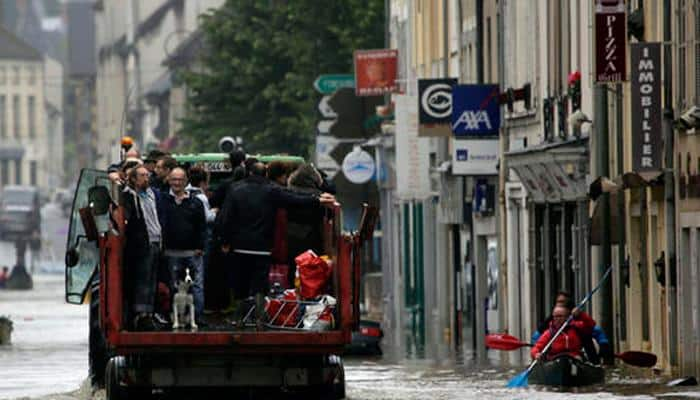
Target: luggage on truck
<point>314,272</point>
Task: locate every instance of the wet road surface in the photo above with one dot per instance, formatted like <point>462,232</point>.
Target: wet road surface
<point>48,356</point>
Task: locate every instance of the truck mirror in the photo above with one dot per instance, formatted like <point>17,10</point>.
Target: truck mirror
<point>99,199</point>
<point>72,257</point>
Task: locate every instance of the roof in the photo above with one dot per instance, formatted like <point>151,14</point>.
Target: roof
<point>14,48</point>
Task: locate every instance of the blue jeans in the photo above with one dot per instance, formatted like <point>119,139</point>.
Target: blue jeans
<point>196,266</point>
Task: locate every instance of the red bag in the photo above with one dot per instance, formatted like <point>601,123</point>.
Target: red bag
<point>313,274</point>
<point>284,311</point>
<point>279,273</point>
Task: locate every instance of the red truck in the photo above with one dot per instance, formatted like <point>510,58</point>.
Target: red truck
<point>133,364</point>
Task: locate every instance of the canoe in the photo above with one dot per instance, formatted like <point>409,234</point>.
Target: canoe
<point>566,371</point>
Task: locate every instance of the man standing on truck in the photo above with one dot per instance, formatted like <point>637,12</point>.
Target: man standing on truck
<point>184,233</point>
<point>247,229</point>
<point>142,249</point>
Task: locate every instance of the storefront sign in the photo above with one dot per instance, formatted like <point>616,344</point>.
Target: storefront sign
<point>475,157</point>
<point>435,106</point>
<point>475,110</point>
<point>646,106</point>
<point>611,34</point>
<point>375,72</point>
<point>412,152</point>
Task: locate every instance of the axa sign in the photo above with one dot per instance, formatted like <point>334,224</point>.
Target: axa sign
<point>475,110</point>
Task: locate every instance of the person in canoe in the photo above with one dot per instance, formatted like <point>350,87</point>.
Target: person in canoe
<point>592,353</point>
<point>569,341</point>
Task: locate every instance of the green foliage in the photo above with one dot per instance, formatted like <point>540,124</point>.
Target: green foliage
<point>262,59</point>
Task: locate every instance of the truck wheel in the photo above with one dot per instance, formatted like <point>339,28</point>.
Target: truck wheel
<point>113,388</point>
<point>336,390</point>
<point>98,355</point>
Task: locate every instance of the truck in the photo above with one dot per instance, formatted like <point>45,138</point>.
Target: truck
<point>20,213</point>
<point>282,357</point>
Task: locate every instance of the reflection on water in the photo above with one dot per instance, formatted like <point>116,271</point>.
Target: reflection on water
<point>48,353</point>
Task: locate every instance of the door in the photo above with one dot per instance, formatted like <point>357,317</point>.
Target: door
<point>82,255</point>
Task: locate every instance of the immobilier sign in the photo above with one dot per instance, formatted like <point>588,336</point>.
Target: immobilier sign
<point>646,106</point>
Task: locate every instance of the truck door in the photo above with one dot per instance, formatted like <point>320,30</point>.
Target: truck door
<point>82,254</point>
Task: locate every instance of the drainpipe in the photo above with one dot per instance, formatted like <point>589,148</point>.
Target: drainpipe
<point>669,190</point>
<point>602,152</point>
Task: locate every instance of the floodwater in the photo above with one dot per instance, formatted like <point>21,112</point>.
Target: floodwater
<point>48,360</point>
<point>48,356</point>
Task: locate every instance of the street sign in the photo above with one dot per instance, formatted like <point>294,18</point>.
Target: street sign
<point>475,110</point>
<point>324,126</point>
<point>475,157</point>
<point>329,83</point>
<point>325,109</point>
<point>358,166</point>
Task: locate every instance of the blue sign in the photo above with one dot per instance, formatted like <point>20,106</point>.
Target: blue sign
<point>475,110</point>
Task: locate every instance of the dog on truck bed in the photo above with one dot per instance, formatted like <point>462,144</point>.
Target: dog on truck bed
<point>183,304</point>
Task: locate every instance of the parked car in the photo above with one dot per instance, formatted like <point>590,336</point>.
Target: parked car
<point>20,212</point>
<point>366,340</point>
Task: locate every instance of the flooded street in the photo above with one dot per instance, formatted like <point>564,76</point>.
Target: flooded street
<point>48,355</point>
<point>48,360</point>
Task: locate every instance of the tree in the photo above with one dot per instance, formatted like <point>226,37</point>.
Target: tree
<point>261,60</point>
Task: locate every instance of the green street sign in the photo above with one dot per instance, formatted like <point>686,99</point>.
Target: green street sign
<point>329,83</point>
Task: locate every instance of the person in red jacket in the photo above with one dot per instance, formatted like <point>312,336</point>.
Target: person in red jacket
<point>569,341</point>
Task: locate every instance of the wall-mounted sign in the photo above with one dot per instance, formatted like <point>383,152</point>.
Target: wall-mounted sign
<point>375,71</point>
<point>412,152</point>
<point>358,166</point>
<point>475,157</point>
<point>610,41</point>
<point>435,106</point>
<point>646,106</point>
<point>475,110</point>
<point>329,83</point>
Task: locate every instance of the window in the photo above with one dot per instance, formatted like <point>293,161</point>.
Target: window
<point>5,172</point>
<point>18,172</point>
<point>682,54</point>
<point>31,114</point>
<point>31,75</point>
<point>32,173</point>
<point>15,75</point>
<point>15,115</point>
<point>3,116</point>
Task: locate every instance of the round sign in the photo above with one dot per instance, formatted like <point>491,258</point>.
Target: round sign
<point>358,166</point>
<point>436,101</point>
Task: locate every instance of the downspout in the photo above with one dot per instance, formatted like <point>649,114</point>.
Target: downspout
<point>669,191</point>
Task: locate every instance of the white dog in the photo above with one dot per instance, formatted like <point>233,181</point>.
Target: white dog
<point>183,304</point>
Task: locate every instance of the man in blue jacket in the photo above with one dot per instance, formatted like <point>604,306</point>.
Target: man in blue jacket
<point>184,233</point>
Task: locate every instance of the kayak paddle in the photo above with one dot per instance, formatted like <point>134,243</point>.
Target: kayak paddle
<point>520,380</point>
<point>504,341</point>
<point>638,358</point>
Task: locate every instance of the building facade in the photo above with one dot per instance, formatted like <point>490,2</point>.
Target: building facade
<point>135,42</point>
<point>23,136</point>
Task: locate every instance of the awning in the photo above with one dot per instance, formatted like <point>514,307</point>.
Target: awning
<point>11,153</point>
<point>553,172</point>
<point>160,86</point>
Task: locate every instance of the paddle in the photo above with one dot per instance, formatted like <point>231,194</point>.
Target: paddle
<point>504,341</point>
<point>520,380</point>
<point>638,358</point>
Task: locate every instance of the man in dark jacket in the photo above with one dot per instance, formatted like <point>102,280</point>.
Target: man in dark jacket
<point>184,233</point>
<point>142,249</point>
<point>247,230</point>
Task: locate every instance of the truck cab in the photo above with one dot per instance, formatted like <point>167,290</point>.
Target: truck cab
<point>244,358</point>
